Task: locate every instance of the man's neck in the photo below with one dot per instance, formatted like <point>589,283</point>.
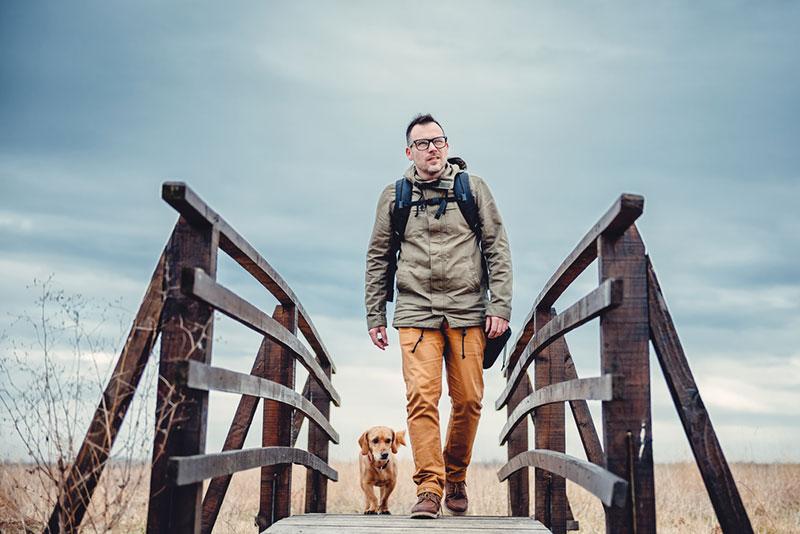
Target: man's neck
<point>425,177</point>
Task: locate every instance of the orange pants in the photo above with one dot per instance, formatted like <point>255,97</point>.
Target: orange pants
<point>423,351</point>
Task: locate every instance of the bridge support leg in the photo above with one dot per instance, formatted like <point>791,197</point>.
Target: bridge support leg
<point>276,480</point>
<point>624,338</point>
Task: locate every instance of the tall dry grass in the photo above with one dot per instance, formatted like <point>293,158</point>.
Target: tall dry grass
<point>771,494</point>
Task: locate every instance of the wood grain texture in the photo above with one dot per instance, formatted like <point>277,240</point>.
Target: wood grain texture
<point>625,210</point>
<point>624,351</point>
<point>90,461</point>
<point>717,477</point>
<point>276,480</point>
<point>203,287</point>
<point>366,524</point>
<point>191,469</point>
<point>605,297</point>
<point>208,378</point>
<point>518,487</point>
<point>606,486</point>
<point>550,503</point>
<point>193,208</point>
<point>596,388</point>
<point>181,413</point>
<point>237,433</point>
<point>316,497</point>
<point>583,417</point>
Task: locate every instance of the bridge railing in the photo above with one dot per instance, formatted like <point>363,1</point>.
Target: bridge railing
<point>179,307</point>
<point>619,472</point>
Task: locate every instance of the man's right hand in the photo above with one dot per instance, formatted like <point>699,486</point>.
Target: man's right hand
<point>378,337</point>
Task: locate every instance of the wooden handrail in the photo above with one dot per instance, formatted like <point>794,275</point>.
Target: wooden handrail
<point>606,296</point>
<point>625,210</point>
<point>197,375</point>
<point>597,388</point>
<point>606,486</point>
<point>196,211</point>
<point>200,285</point>
<point>190,469</point>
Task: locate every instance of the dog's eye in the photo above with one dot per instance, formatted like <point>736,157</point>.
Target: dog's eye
<point>375,440</point>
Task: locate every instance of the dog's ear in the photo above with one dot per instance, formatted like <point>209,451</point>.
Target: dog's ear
<point>399,439</point>
<point>364,444</point>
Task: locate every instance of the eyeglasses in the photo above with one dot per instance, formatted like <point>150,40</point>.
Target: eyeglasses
<point>423,144</point>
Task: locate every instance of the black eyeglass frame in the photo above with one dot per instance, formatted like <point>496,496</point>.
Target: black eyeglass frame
<point>427,142</point>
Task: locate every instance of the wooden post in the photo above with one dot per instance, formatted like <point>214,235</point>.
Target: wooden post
<point>181,413</point>
<point>550,489</point>
<point>276,480</point>
<point>104,427</point>
<point>624,338</point>
<point>318,442</point>
<point>518,483</point>
<point>237,433</point>
<point>707,451</point>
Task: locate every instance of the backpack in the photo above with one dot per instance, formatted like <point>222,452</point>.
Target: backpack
<point>462,194</point>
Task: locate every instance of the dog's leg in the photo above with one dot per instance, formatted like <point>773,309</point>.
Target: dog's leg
<point>385,492</point>
<point>370,502</point>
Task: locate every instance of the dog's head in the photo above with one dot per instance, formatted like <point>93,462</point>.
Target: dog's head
<point>378,441</point>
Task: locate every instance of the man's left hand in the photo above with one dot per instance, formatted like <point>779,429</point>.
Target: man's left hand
<point>495,326</point>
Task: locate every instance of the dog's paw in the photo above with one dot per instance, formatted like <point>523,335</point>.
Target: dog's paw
<point>370,512</point>
<point>386,512</point>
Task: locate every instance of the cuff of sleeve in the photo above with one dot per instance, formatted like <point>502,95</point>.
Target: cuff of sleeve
<point>374,322</point>
<point>498,310</point>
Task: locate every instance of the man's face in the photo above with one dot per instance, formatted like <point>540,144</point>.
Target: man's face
<point>431,161</point>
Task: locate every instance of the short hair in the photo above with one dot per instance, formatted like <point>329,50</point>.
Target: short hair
<point>420,119</point>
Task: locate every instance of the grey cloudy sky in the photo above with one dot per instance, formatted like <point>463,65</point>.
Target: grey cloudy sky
<point>288,119</point>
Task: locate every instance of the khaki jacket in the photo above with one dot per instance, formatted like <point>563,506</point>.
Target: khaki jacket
<point>439,271</point>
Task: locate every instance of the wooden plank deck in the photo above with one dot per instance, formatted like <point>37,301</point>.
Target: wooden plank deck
<point>397,524</point>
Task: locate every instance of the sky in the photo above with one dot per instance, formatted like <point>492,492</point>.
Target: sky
<point>288,119</point>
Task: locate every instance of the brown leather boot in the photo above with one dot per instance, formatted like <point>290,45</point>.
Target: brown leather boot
<point>455,497</point>
<point>427,506</point>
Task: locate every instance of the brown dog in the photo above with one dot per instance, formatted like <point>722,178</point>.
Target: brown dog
<point>378,467</point>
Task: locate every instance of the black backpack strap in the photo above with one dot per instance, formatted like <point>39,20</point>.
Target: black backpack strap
<point>399,221</point>
<point>469,210</point>
<point>466,203</point>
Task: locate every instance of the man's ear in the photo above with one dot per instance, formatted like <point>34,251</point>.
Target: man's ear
<point>399,439</point>
<point>364,444</point>
<point>408,153</point>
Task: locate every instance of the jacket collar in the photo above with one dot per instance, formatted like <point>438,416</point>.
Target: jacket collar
<point>444,182</point>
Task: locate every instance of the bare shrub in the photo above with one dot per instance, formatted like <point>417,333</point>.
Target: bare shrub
<point>56,360</point>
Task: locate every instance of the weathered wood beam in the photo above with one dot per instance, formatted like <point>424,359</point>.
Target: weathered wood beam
<point>85,472</point>
<point>717,477</point>
<point>550,504</point>
<point>596,388</point>
<point>201,376</point>
<point>583,417</point>
<point>181,414</point>
<point>316,498</point>
<point>237,433</point>
<point>197,283</point>
<point>606,296</point>
<point>625,210</point>
<point>192,469</point>
<point>606,486</point>
<point>275,496</point>
<point>624,351</point>
<point>193,208</point>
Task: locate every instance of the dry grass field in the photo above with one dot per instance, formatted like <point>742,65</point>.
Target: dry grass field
<point>771,493</point>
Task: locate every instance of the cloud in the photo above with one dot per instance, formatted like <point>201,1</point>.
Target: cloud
<point>288,120</point>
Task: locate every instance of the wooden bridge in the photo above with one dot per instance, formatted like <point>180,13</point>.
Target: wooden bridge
<point>179,304</point>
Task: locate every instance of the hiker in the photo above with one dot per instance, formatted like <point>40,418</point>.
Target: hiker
<point>453,292</point>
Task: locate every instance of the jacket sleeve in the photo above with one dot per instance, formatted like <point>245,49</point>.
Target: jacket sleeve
<point>378,261</point>
<point>496,250</point>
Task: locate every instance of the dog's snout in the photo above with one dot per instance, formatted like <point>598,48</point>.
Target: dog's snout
<point>384,455</point>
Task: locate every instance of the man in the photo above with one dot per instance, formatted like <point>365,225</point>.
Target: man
<point>442,311</point>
